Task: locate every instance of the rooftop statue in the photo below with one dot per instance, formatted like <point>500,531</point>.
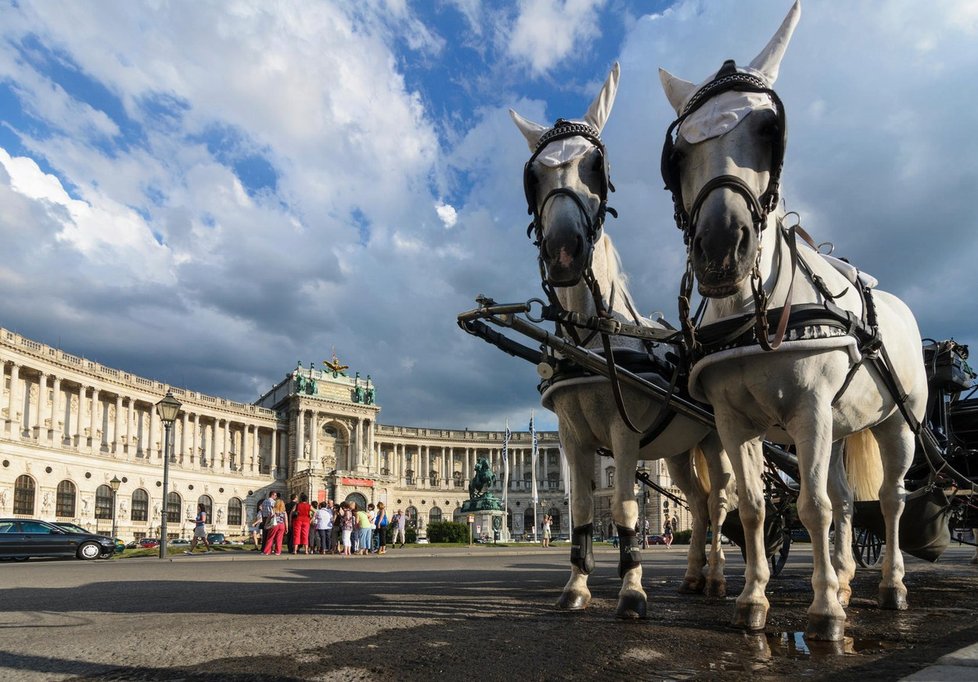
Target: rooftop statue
<point>334,365</point>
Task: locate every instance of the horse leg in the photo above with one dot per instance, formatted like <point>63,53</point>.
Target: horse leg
<point>576,596</point>
<point>632,601</point>
<point>684,477</point>
<point>841,496</point>
<point>812,432</point>
<point>722,489</point>
<point>747,456</point>
<point>897,447</point>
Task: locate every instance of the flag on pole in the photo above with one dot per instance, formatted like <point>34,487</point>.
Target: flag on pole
<point>533,475</point>
<point>506,438</point>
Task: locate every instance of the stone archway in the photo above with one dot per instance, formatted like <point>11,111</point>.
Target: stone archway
<point>333,446</point>
<point>359,499</point>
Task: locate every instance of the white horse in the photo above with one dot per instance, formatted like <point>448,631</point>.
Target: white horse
<point>566,186</point>
<point>823,383</point>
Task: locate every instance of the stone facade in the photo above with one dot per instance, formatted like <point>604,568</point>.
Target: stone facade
<point>68,426</point>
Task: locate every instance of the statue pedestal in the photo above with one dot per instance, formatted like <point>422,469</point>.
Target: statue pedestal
<point>488,522</point>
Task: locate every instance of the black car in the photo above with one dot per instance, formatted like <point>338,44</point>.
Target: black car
<point>24,538</point>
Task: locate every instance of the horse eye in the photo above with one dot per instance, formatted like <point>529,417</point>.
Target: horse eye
<point>769,128</point>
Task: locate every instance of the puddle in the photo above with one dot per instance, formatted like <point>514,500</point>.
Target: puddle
<point>760,650</point>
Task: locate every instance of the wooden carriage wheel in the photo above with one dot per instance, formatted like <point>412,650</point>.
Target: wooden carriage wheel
<point>867,547</point>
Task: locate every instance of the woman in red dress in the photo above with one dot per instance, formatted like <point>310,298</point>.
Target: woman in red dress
<point>300,534</point>
<point>276,525</point>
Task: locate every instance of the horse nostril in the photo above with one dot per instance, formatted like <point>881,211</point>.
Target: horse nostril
<point>543,250</point>
<point>743,244</point>
<point>699,252</point>
<point>580,247</point>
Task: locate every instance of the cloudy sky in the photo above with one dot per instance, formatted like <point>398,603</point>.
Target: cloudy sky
<point>205,193</point>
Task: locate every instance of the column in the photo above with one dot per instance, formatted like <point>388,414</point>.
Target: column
<point>273,464</point>
<point>184,427</point>
<point>130,416</point>
<point>226,445</point>
<point>213,444</point>
<point>149,449</point>
<point>313,436</point>
<point>11,400</point>
<point>300,435</point>
<point>93,415</point>
<point>359,449</point>
<point>36,420</point>
<point>57,433</point>
<point>117,427</point>
<point>76,417</point>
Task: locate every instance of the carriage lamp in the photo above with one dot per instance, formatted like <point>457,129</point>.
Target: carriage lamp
<point>167,408</point>
<point>114,484</point>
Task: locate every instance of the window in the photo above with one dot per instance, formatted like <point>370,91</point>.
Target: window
<point>208,505</point>
<point>412,517</point>
<point>434,516</point>
<point>234,512</point>
<point>36,527</point>
<point>103,502</point>
<point>610,471</point>
<point>65,503</point>
<point>24,490</point>
<point>528,520</point>
<point>173,508</point>
<point>140,505</point>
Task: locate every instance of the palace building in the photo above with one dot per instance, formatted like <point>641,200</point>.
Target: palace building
<point>70,426</point>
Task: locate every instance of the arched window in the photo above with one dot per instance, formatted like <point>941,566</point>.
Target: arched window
<point>434,516</point>
<point>173,503</point>
<point>234,512</point>
<point>359,499</point>
<point>528,520</point>
<point>65,504</point>
<point>140,505</point>
<point>412,517</point>
<point>24,490</point>
<point>103,502</point>
<point>555,523</point>
<point>208,505</point>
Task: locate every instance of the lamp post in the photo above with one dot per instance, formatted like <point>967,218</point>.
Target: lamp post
<point>645,500</point>
<point>114,484</point>
<point>167,408</point>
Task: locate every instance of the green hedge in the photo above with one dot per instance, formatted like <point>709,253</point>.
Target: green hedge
<point>682,537</point>
<point>448,531</point>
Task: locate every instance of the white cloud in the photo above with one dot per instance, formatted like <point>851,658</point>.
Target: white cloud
<point>548,31</point>
<point>447,214</point>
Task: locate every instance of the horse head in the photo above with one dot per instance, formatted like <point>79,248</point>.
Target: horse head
<point>724,165</point>
<point>566,185</point>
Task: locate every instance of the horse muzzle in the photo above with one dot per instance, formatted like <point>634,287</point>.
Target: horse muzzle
<point>723,250</point>
<point>565,259</point>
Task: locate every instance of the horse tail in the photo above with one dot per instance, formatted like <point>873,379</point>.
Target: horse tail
<point>701,468</point>
<point>864,466</point>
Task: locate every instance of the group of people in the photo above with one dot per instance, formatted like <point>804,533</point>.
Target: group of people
<point>312,528</point>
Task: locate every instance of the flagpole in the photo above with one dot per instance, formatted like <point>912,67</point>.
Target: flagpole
<point>506,482</point>
<point>533,475</point>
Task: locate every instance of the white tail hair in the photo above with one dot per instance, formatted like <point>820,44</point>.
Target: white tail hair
<point>864,466</point>
<point>701,468</point>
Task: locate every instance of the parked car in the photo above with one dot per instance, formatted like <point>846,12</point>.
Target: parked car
<point>149,543</point>
<point>120,546</point>
<point>25,538</point>
<point>216,539</point>
<point>178,541</point>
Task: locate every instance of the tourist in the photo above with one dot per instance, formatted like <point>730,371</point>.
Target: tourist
<point>256,527</point>
<point>314,543</point>
<point>547,520</point>
<point>346,521</point>
<point>400,518</point>
<point>380,528</point>
<point>667,534</point>
<point>334,532</point>
<point>324,526</point>
<point>277,525</point>
<point>200,530</point>
<point>300,525</point>
<point>365,525</point>
<point>290,512</point>
<point>267,509</point>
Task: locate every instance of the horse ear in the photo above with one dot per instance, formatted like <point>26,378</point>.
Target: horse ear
<point>600,109</point>
<point>768,62</point>
<point>531,131</point>
<point>677,90</point>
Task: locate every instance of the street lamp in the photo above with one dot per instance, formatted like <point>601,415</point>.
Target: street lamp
<point>645,519</point>
<point>167,409</point>
<point>114,484</point>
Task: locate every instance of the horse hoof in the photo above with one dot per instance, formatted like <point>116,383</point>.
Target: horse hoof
<point>750,616</point>
<point>894,598</point>
<point>825,628</point>
<point>692,585</point>
<point>717,589</point>
<point>573,601</point>
<point>631,607</point>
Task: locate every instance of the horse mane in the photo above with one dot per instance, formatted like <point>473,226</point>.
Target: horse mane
<point>614,271</point>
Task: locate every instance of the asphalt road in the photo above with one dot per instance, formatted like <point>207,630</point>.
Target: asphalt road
<point>425,614</point>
